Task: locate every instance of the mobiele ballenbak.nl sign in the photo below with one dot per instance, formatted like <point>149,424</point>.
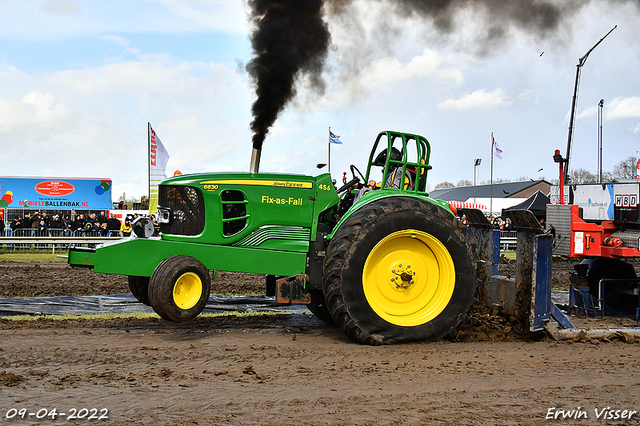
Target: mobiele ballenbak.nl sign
<point>55,193</point>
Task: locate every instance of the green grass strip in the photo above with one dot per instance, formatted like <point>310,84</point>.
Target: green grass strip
<point>32,257</point>
<point>138,315</point>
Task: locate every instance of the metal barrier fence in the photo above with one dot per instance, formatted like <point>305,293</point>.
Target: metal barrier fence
<point>30,238</point>
<point>54,232</point>
<point>508,240</point>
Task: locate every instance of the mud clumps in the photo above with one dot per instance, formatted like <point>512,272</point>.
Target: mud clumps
<point>7,378</point>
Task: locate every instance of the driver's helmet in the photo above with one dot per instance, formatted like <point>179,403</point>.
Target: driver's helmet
<point>380,160</point>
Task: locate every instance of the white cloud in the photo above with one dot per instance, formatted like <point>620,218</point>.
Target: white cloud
<point>66,18</point>
<point>524,94</point>
<point>61,7</point>
<point>476,100</point>
<point>587,112</point>
<point>92,121</point>
<point>35,109</point>
<point>11,72</point>
<point>387,72</point>
<point>120,41</point>
<point>623,108</point>
<point>227,15</point>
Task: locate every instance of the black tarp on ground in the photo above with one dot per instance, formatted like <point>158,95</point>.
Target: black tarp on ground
<point>537,204</point>
<point>127,304</point>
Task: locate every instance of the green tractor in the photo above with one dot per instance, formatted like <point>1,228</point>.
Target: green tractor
<point>386,264</point>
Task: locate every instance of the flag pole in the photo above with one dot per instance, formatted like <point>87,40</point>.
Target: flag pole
<point>491,183</point>
<point>149,161</point>
<point>329,149</point>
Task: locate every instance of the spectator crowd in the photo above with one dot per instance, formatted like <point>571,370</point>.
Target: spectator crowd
<point>497,222</point>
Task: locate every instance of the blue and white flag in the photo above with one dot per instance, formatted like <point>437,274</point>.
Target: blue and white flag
<point>334,139</point>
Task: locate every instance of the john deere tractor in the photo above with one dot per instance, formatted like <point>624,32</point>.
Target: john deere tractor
<point>385,264</point>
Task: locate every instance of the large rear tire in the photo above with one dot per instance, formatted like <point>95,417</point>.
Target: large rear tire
<point>179,288</point>
<point>139,287</point>
<point>318,307</point>
<point>399,269</point>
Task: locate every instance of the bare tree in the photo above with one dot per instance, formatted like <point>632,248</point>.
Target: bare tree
<point>626,169</point>
<point>464,182</point>
<point>444,185</point>
<point>607,177</point>
<point>582,176</point>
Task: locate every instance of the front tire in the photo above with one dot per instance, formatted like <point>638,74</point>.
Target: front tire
<point>179,288</point>
<point>399,269</point>
<point>139,287</point>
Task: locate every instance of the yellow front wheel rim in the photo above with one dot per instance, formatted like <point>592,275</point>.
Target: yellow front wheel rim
<point>408,278</point>
<point>187,290</point>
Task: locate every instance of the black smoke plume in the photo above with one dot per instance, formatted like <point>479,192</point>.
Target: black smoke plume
<point>291,40</point>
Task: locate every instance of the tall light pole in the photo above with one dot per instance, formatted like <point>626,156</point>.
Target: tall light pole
<point>600,105</point>
<point>476,163</point>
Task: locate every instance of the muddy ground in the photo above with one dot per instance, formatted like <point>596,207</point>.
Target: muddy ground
<point>293,369</point>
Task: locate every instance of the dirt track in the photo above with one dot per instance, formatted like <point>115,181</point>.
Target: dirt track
<point>292,369</point>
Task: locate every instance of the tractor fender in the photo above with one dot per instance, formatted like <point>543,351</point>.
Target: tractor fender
<point>372,196</point>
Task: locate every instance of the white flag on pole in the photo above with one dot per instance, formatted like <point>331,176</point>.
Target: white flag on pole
<point>158,157</point>
<point>496,148</point>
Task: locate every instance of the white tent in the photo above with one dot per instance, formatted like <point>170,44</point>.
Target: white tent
<point>497,205</point>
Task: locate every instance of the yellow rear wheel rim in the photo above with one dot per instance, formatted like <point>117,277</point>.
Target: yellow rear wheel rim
<point>187,290</point>
<point>408,278</point>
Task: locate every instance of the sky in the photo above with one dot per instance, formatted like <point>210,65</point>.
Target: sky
<point>80,80</point>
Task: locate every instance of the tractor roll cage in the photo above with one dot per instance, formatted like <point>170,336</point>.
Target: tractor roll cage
<point>409,142</point>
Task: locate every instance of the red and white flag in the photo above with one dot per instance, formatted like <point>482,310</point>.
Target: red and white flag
<point>496,148</point>
<point>637,166</point>
<point>158,157</point>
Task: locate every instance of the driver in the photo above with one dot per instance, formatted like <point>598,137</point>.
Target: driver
<point>394,177</point>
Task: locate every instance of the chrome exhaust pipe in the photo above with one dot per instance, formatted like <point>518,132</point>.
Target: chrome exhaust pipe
<point>255,160</point>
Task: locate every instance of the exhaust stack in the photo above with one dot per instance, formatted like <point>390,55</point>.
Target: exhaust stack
<point>255,160</point>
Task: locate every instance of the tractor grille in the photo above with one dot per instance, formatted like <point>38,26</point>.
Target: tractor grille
<point>188,209</point>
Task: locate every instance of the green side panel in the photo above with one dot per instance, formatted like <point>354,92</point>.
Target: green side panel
<point>269,199</point>
<point>141,256</point>
<point>326,197</point>
<point>81,258</point>
<point>265,199</point>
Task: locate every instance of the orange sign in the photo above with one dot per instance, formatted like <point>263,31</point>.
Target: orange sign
<point>54,188</point>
